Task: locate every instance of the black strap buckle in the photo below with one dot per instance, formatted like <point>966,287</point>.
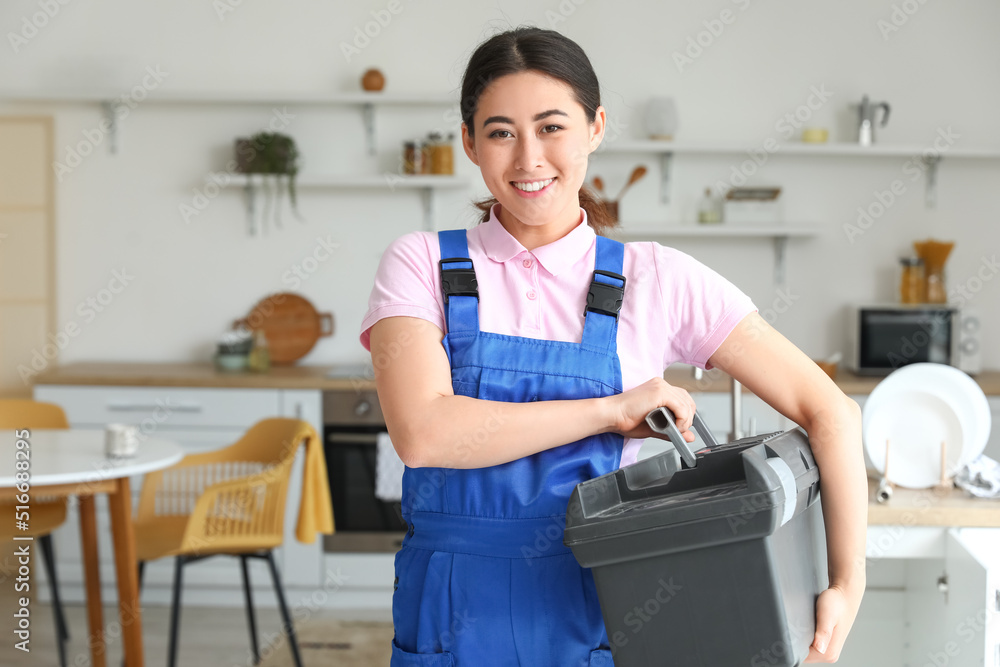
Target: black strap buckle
<point>605,298</point>
<point>458,282</point>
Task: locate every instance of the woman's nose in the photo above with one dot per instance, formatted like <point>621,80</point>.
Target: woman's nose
<point>529,154</point>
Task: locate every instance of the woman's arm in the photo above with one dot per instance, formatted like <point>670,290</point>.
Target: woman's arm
<point>432,427</point>
<point>780,374</point>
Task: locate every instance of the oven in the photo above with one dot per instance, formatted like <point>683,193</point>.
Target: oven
<point>364,523</point>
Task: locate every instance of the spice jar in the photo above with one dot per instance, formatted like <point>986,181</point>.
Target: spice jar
<point>425,157</point>
<point>411,158</point>
<point>442,156</point>
<point>911,282</point>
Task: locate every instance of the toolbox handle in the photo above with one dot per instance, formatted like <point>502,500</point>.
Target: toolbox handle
<point>662,420</point>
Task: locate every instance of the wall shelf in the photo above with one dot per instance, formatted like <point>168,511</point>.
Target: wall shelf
<point>928,156</point>
<point>425,183</point>
<point>779,234</point>
<point>111,101</point>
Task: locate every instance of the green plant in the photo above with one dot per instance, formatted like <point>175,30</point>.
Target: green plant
<point>270,153</point>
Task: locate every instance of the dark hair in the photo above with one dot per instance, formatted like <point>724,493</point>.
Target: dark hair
<point>527,48</point>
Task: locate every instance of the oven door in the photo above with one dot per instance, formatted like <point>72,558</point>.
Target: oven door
<point>364,523</point>
<point>891,338</point>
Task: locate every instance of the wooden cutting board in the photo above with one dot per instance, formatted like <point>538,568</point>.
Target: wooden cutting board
<point>291,323</point>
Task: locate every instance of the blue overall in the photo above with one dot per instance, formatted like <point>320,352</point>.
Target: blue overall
<point>483,577</point>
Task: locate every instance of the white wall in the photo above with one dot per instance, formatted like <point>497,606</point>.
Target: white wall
<point>939,70</point>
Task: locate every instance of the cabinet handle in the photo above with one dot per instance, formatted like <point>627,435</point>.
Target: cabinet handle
<point>352,438</point>
<point>149,407</point>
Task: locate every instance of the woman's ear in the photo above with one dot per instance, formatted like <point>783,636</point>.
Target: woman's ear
<point>597,128</point>
<point>469,144</point>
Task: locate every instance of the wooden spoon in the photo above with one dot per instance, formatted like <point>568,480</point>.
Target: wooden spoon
<point>599,184</point>
<point>637,173</point>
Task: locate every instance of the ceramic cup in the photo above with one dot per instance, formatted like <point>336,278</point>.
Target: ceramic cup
<point>121,440</point>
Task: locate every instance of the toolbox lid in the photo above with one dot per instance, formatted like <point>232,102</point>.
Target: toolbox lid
<point>763,478</point>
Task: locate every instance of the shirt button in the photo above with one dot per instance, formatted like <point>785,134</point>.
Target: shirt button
<point>531,294</point>
<point>526,263</point>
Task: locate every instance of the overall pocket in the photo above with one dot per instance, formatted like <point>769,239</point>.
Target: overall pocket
<point>401,658</point>
<point>601,657</point>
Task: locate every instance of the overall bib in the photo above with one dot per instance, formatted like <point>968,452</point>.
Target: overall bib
<point>483,577</point>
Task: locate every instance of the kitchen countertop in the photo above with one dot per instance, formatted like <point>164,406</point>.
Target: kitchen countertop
<point>359,377</point>
<point>931,507</point>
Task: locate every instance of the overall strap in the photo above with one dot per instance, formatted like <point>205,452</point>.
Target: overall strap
<point>604,300</point>
<point>458,282</point>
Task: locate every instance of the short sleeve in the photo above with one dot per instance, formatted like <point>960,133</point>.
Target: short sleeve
<point>405,284</point>
<point>702,307</point>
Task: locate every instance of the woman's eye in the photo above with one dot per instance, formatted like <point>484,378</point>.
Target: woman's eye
<point>547,127</point>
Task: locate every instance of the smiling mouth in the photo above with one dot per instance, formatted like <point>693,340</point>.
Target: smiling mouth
<point>533,186</point>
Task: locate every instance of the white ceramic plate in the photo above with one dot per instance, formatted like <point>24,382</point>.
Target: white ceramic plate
<point>915,423</point>
<point>917,407</point>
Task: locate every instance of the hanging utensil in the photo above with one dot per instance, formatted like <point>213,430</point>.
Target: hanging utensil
<point>599,184</point>
<point>637,173</point>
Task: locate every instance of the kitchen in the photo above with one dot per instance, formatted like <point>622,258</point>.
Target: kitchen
<point>134,236</point>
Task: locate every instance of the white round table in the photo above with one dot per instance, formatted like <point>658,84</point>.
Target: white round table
<point>76,456</point>
<point>65,462</point>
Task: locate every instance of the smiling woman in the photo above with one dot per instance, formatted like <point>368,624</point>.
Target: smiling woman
<point>532,114</point>
<point>533,347</point>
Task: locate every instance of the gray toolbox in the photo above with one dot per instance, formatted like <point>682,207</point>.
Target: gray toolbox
<point>712,560</point>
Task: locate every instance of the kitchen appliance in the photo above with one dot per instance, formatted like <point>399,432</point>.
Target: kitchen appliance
<point>882,338</point>
<point>917,412</point>
<point>352,421</point>
<point>866,119</point>
<point>712,558</point>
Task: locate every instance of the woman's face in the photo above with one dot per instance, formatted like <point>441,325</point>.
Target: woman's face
<point>529,129</point>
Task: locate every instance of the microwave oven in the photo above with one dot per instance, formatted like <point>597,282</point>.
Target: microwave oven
<point>882,338</point>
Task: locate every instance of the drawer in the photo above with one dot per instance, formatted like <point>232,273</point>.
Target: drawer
<point>167,407</point>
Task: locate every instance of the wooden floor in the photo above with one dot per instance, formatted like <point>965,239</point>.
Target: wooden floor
<point>212,637</point>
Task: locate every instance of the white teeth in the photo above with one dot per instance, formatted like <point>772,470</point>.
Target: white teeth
<point>533,187</point>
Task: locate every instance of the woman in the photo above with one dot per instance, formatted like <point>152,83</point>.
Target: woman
<point>520,358</point>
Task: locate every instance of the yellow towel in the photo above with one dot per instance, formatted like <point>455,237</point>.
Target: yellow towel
<point>315,507</point>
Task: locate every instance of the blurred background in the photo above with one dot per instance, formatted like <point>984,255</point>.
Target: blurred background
<point>180,176</point>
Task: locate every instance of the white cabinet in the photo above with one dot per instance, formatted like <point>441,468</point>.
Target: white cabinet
<point>933,598</point>
<point>198,419</point>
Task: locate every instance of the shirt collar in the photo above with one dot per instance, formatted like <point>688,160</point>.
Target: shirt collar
<point>556,257</point>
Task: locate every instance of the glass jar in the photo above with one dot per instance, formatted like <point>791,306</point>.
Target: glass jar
<point>911,281</point>
<point>709,209</point>
<point>442,156</point>
<point>426,151</point>
<point>411,158</point>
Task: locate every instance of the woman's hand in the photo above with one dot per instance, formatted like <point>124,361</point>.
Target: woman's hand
<point>836,610</point>
<point>629,409</point>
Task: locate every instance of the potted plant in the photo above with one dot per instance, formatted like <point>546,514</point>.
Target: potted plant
<point>272,155</point>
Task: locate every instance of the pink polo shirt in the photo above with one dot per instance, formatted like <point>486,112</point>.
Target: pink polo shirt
<point>675,308</point>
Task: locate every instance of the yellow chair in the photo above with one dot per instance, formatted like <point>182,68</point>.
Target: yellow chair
<point>45,514</point>
<point>229,502</point>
